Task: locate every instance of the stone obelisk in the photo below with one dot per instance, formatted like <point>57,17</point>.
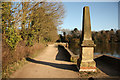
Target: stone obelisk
<point>87,47</point>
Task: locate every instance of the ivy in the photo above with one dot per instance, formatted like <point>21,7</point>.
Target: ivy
<point>12,38</point>
<point>30,38</point>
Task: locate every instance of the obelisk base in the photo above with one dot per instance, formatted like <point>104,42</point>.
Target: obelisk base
<point>88,66</point>
<point>87,54</point>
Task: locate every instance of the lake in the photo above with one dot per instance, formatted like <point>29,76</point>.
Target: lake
<point>112,49</point>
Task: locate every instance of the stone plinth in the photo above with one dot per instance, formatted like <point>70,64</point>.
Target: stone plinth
<point>86,62</point>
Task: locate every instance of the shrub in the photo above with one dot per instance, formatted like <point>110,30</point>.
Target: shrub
<point>30,38</point>
<point>12,38</point>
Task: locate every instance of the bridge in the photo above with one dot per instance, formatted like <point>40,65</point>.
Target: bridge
<point>104,62</point>
<point>73,57</point>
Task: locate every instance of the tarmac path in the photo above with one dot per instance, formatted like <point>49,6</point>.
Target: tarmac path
<point>51,63</point>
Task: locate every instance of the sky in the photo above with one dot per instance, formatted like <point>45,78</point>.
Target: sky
<point>104,15</point>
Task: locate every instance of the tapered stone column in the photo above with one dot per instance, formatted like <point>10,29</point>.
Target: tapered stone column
<point>86,62</point>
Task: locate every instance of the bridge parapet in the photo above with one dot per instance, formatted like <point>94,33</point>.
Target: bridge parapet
<point>62,44</point>
<point>74,57</point>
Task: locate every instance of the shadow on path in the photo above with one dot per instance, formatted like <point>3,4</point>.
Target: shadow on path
<point>63,54</point>
<point>61,66</point>
<point>108,66</point>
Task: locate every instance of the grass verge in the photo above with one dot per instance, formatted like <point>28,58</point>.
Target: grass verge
<point>13,66</point>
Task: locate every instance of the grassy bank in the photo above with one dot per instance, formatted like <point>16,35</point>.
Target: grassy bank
<point>13,60</point>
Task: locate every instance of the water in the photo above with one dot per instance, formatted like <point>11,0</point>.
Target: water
<point>112,49</point>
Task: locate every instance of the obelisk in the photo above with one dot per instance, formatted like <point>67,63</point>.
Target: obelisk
<point>87,47</point>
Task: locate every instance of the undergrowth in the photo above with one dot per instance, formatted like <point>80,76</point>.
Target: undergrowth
<point>14,60</point>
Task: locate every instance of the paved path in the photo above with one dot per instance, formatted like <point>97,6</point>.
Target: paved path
<point>48,65</point>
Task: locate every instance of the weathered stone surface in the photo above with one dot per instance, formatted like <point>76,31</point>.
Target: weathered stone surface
<point>86,30</point>
<point>87,63</point>
<point>87,54</point>
<point>87,66</point>
<point>86,24</point>
<point>88,43</point>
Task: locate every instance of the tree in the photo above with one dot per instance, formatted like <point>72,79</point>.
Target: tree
<point>9,33</point>
<point>67,31</point>
<point>32,21</point>
<point>7,16</point>
<point>49,16</point>
<point>75,33</point>
<point>118,35</point>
